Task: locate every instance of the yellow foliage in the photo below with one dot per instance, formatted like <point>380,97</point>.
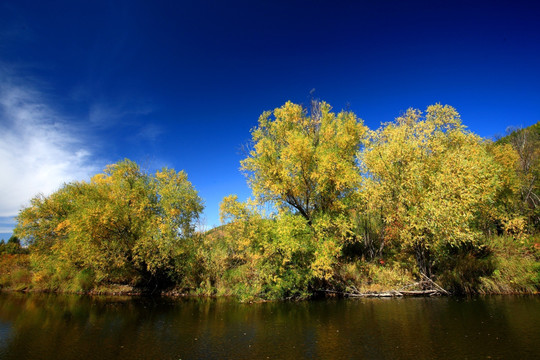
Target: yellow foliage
<point>431,179</point>
<point>305,162</point>
<point>515,227</point>
<point>121,221</point>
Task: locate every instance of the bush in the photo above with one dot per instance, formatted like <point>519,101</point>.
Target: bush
<point>462,268</point>
<point>15,272</point>
<point>374,277</point>
<point>84,280</point>
<point>517,266</point>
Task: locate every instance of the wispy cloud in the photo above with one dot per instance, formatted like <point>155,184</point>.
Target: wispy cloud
<point>150,132</point>
<point>104,115</point>
<point>39,151</point>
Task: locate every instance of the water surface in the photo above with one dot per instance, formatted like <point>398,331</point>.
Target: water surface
<point>38,326</point>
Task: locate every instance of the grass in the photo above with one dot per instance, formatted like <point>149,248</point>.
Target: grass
<point>369,277</point>
<point>517,266</point>
<point>15,272</point>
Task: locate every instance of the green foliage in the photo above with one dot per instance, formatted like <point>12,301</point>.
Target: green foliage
<point>517,266</point>
<point>351,210</point>
<point>123,226</point>
<point>85,280</point>
<point>12,247</point>
<point>368,227</point>
<point>271,256</point>
<point>462,268</point>
<point>526,144</point>
<point>287,254</point>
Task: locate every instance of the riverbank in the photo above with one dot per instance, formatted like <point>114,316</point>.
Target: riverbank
<point>507,266</point>
<point>18,279</point>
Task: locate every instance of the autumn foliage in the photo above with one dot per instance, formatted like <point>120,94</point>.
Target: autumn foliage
<point>122,226</point>
<point>336,207</point>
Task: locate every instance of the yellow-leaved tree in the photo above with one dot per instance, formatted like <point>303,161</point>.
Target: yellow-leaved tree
<point>432,180</point>
<point>304,164</point>
<point>305,161</point>
<point>122,226</point>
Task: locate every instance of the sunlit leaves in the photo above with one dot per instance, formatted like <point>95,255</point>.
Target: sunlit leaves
<point>419,189</point>
<point>305,161</point>
<point>431,178</point>
<point>120,223</point>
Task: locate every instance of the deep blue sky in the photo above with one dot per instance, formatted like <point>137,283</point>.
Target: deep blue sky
<point>181,83</point>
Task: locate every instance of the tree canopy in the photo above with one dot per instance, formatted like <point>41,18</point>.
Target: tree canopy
<point>122,222</point>
<point>431,178</point>
<point>352,210</point>
<point>305,161</point>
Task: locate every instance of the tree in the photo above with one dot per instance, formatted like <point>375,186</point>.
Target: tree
<point>121,225</point>
<point>274,255</point>
<point>12,246</point>
<point>526,142</point>
<point>14,240</point>
<point>507,214</point>
<point>305,161</point>
<point>432,181</point>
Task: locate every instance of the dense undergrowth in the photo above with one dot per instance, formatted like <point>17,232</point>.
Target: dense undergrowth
<point>504,266</point>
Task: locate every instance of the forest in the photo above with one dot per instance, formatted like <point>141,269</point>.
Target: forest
<point>419,205</point>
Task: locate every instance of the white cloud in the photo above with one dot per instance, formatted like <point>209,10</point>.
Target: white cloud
<point>38,149</point>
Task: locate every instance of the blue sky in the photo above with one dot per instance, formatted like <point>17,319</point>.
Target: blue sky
<point>181,83</point>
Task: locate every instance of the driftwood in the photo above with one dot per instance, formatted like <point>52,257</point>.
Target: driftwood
<point>434,284</point>
<point>420,292</point>
<point>428,286</point>
<point>392,293</point>
<point>359,294</point>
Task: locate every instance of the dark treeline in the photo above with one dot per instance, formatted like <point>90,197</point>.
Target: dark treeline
<point>419,204</point>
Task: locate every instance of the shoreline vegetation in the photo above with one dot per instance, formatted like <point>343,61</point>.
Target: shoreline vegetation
<point>419,207</point>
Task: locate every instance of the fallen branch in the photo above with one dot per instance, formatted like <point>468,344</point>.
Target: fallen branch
<point>392,293</point>
<point>430,288</point>
<point>433,283</point>
<point>410,285</point>
<point>420,292</point>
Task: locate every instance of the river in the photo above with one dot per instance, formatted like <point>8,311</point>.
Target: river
<point>41,326</point>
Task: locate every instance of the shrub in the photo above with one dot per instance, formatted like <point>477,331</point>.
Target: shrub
<point>517,266</point>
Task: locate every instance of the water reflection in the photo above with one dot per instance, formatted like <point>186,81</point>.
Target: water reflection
<point>38,326</point>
